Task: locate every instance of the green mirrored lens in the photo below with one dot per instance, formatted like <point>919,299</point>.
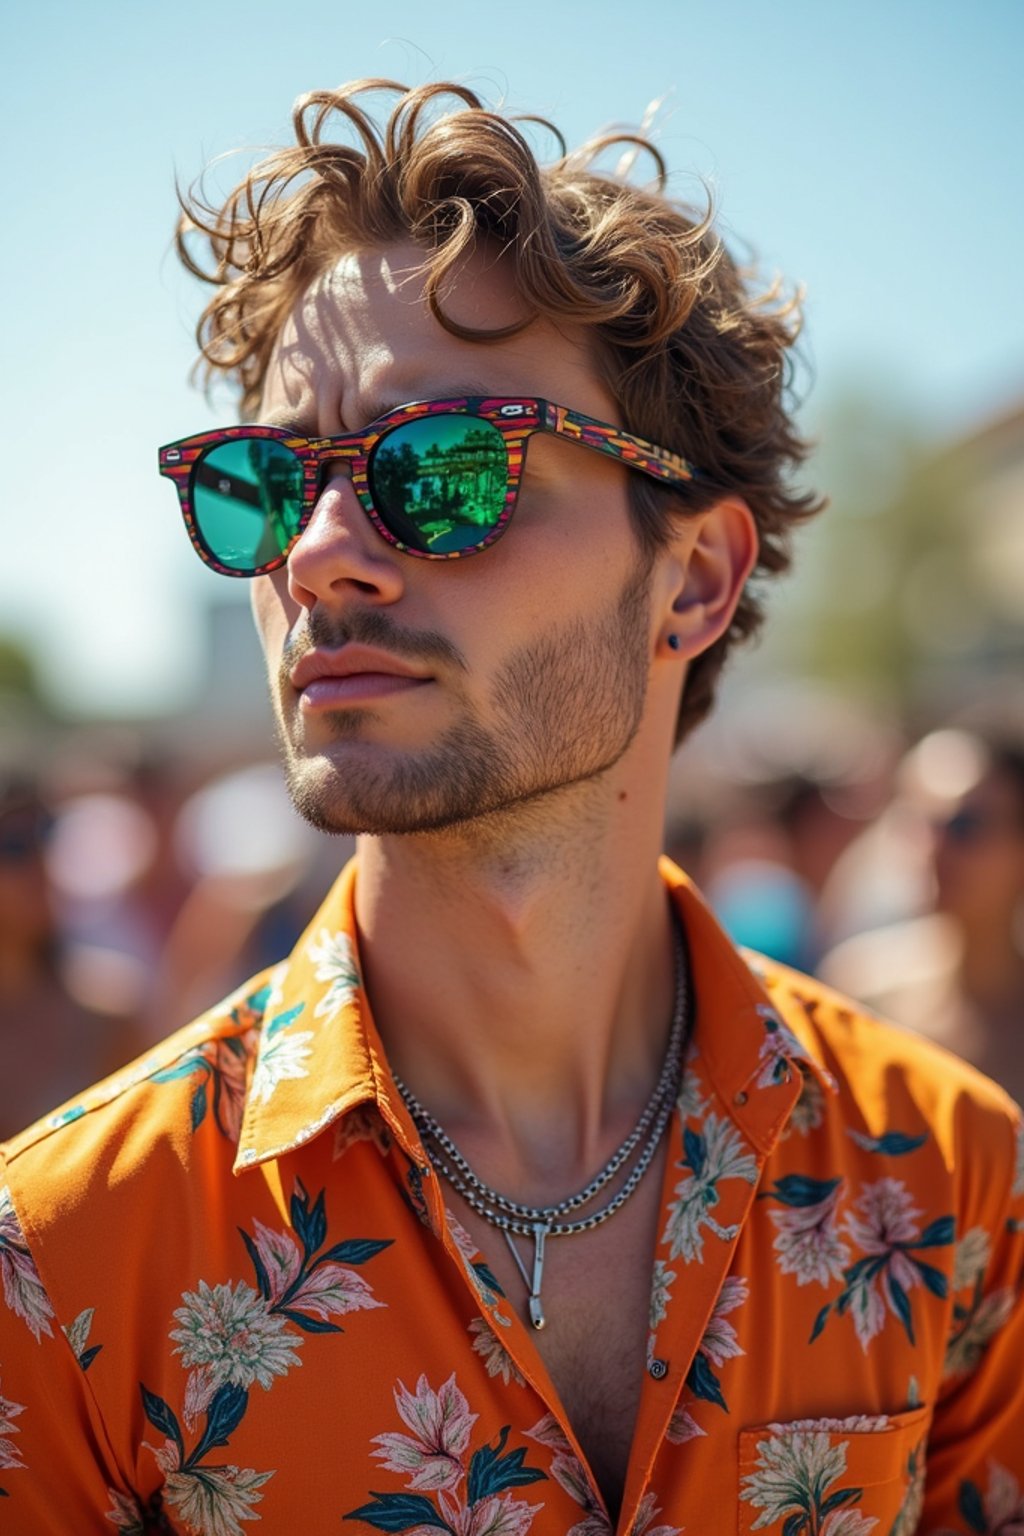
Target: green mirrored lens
<point>439,482</point>
<point>247,501</point>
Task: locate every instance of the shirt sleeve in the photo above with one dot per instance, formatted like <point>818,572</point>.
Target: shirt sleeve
<point>975,1464</point>
<point>56,1470</point>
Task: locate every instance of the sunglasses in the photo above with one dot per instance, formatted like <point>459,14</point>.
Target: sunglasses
<point>438,479</point>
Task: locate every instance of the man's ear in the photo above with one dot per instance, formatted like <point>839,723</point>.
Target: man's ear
<point>715,553</point>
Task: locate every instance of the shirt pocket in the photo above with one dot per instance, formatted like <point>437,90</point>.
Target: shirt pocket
<point>834,1477</point>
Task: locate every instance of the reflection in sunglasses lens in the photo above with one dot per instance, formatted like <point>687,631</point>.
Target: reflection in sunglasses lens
<point>438,483</point>
<point>247,501</point>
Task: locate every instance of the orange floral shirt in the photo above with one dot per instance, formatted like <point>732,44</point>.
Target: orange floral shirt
<point>231,1290</point>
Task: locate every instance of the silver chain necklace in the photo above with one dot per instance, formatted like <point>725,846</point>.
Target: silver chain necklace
<point>543,1221</point>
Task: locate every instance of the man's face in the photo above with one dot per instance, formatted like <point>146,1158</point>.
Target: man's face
<point>524,669</point>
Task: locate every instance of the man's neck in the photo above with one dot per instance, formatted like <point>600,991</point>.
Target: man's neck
<point>520,973</point>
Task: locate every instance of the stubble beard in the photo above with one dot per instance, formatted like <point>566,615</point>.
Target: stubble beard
<point>566,707</point>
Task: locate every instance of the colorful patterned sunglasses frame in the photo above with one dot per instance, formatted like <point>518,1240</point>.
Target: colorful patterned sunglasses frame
<point>516,418</point>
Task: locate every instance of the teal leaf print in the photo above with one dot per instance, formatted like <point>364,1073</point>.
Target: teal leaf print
<point>262,1278</point>
<point>695,1151</point>
<point>891,1144</point>
<point>795,1469</point>
<point>703,1382</point>
<point>820,1321</point>
<point>355,1251</point>
<point>310,1324</point>
<point>883,1224</point>
<point>232,1338</point>
<point>463,1490</point>
<point>938,1233</point>
<point>839,1498</point>
<point>490,1472</point>
<point>226,1412</point>
<point>197,1107</point>
<point>901,1305</point>
<point>310,1225</point>
<point>935,1279</point>
<point>798,1189</point>
<point>713,1155</point>
<point>77,1335</point>
<point>282,1020</point>
<point>400,1512</point>
<point>972,1507</point>
<point>221,1065</point>
<point>487,1278</point>
<point>162,1417</point>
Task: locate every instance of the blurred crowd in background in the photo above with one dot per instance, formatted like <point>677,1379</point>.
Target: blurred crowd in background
<point>854,808</point>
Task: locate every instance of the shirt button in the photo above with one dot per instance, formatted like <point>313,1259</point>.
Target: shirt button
<point>741,1097</point>
<point>658,1369</point>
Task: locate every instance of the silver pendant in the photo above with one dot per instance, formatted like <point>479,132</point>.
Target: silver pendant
<point>540,1232</point>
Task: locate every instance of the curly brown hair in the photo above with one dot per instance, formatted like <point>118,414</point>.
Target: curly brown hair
<point>697,361</point>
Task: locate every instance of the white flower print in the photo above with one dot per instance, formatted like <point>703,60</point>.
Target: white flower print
<point>809,1109</point>
<point>714,1154</point>
<point>441,1424</point>
<point>970,1258</point>
<point>647,1512</point>
<point>884,1224</point>
<point>682,1426</point>
<point>1004,1505</point>
<point>229,1334</point>
<point>908,1516</point>
<point>808,1244</point>
<point>335,961</point>
<point>23,1290</point>
<point>779,1048</point>
<point>10,1456</point>
<point>719,1342</point>
<point>495,1356</point>
<point>973,1328</point>
<point>856,1423</point>
<point>570,1474</point>
<point>212,1501</point>
<point>494,1516</point>
<point>124,1512</point>
<point>887,1215</point>
<point>661,1289</point>
<point>795,1469</point>
<point>280,1057</point>
<point>848,1522</point>
<point>691,1102</point>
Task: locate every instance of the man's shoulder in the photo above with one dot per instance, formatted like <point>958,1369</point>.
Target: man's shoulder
<point>194,1079</point>
<point>885,1073</point>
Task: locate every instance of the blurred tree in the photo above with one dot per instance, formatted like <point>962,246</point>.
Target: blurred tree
<point>900,596</point>
<point>17,670</point>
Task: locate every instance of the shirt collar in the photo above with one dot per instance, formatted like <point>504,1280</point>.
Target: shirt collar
<point>319,1055</point>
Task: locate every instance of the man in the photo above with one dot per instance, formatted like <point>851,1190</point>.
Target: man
<point>516,1199</point>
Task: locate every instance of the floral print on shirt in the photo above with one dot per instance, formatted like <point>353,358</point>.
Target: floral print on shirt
<point>449,1486</point>
<point>232,1337</point>
<point>794,1485</point>
<point>305,1289</point>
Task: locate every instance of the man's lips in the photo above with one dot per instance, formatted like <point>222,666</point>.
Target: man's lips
<point>329,678</point>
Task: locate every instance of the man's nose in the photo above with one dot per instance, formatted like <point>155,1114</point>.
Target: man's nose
<point>340,549</point>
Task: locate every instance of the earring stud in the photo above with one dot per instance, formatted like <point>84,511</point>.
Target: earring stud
<point>674,642</point>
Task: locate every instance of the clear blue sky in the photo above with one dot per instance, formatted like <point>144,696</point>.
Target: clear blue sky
<point>869,148</point>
